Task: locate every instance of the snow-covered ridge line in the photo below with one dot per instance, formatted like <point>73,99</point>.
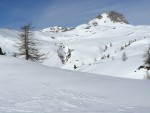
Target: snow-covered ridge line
<point>56,29</point>
<point>108,18</point>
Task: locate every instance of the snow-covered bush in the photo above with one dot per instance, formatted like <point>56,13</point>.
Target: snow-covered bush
<point>147,76</point>
<point>146,56</point>
<point>103,57</point>
<point>95,59</point>
<point>14,54</point>
<point>113,58</point>
<point>108,56</point>
<point>124,56</point>
<point>106,47</point>
<point>122,48</point>
<point>110,44</point>
<point>64,53</point>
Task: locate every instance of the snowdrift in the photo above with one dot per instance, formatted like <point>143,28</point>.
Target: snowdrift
<point>27,87</point>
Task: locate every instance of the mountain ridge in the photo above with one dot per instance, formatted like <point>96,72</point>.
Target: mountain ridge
<point>111,17</point>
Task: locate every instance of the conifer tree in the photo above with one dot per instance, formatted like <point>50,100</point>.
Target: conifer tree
<point>28,45</point>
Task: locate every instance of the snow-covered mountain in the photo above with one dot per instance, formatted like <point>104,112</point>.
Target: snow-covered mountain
<point>56,29</point>
<point>109,18</point>
<point>94,47</point>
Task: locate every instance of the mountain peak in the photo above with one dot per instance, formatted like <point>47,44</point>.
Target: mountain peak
<point>116,17</point>
<point>110,17</point>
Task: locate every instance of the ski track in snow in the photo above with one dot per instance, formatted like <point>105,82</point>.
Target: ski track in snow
<point>63,101</point>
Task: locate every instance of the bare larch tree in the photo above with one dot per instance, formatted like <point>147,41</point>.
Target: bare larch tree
<point>28,45</point>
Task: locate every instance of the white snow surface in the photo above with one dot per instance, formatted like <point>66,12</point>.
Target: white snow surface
<point>27,87</point>
<point>87,42</point>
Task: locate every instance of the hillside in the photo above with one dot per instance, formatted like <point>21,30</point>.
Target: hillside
<point>27,87</point>
<point>89,45</point>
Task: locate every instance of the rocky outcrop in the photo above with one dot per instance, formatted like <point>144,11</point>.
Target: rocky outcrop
<point>117,17</point>
<point>57,29</point>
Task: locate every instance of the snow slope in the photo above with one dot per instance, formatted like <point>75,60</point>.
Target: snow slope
<point>87,43</point>
<point>27,87</point>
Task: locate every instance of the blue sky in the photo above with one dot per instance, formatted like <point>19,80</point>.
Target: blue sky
<point>45,13</point>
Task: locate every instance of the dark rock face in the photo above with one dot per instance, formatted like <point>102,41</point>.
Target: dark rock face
<point>144,67</point>
<point>117,17</point>
<point>60,29</point>
<point>99,17</point>
<point>1,53</point>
